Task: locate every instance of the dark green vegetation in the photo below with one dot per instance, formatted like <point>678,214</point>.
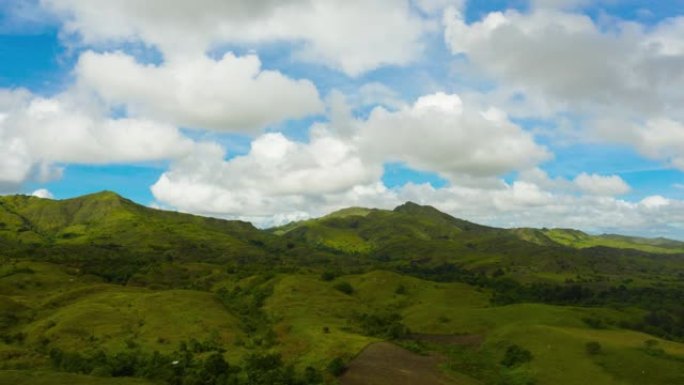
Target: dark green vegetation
<point>100,290</point>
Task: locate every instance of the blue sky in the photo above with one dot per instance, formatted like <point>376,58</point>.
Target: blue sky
<point>444,102</point>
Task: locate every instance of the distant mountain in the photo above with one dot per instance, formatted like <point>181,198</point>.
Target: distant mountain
<point>107,219</point>
<point>579,239</point>
<point>424,237</point>
<point>107,227</point>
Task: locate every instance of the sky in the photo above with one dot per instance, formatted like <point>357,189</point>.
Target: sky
<point>519,113</point>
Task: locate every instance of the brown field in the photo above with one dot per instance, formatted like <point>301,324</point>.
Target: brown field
<point>384,363</point>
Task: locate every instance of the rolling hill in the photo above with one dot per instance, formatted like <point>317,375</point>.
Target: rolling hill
<point>100,290</point>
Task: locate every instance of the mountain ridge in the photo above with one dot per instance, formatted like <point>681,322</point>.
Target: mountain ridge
<point>50,216</point>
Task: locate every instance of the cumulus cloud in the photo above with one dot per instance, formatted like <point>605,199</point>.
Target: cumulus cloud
<point>658,138</point>
<point>434,6</point>
<point>230,94</point>
<point>38,132</point>
<point>281,180</point>
<point>42,193</point>
<point>278,175</point>
<point>517,204</point>
<point>559,63</point>
<point>621,80</point>
<point>568,57</point>
<point>348,35</point>
<point>343,162</point>
<point>438,133</point>
<point>601,185</point>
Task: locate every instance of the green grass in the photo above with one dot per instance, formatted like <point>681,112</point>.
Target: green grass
<point>561,357</point>
<point>303,308</point>
<point>314,323</point>
<point>26,377</point>
<point>153,320</point>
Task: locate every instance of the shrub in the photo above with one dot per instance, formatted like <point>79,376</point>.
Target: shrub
<point>312,376</point>
<point>336,367</point>
<point>268,369</point>
<point>594,323</point>
<point>593,348</point>
<point>515,356</point>
<point>651,348</point>
<point>383,325</point>
<point>344,287</point>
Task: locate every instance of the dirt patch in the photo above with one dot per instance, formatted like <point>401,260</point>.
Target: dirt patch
<point>384,363</point>
<point>472,340</point>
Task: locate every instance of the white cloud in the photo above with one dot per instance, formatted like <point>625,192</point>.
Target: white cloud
<point>657,138</point>
<point>562,55</point>
<point>595,184</point>
<point>434,6</point>
<point>229,94</point>
<point>519,204</point>
<point>375,93</point>
<point>654,202</point>
<point>438,133</point>
<point>37,133</point>
<point>662,138</point>
<point>524,204</point>
<point>15,160</point>
<point>277,176</point>
<point>343,162</point>
<point>42,193</point>
<point>354,36</point>
<point>551,64</point>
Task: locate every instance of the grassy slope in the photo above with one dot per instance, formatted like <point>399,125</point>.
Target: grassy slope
<point>110,222</point>
<point>60,309</point>
<point>81,316</point>
<point>420,236</point>
<point>26,377</point>
<point>555,335</point>
<point>579,239</point>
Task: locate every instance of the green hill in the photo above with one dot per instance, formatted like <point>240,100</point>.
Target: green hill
<point>580,240</point>
<point>100,290</point>
<point>94,230</point>
<point>413,237</point>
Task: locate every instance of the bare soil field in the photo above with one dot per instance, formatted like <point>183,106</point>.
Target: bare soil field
<point>384,363</point>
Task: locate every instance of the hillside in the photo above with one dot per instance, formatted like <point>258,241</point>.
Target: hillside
<point>100,290</point>
<point>105,226</point>
<point>415,237</point>
<point>579,239</point>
